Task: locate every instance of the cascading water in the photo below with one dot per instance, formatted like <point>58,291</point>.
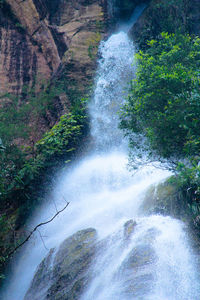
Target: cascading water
<point>104,195</point>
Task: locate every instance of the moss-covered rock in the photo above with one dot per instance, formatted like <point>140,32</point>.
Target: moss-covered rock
<point>166,199</point>
<point>64,275</point>
<point>129,228</point>
<point>137,269</point>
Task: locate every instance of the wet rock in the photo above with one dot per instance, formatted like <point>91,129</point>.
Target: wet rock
<point>139,267</point>
<point>165,199</point>
<point>123,9</point>
<point>67,273</point>
<point>67,276</point>
<point>42,278</point>
<point>154,20</point>
<point>129,228</point>
<point>140,257</point>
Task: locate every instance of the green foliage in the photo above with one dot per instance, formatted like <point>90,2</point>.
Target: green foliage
<point>163,106</point>
<point>93,44</point>
<point>62,137</point>
<point>22,172</point>
<point>15,112</point>
<point>164,99</point>
<point>13,119</point>
<point>187,181</point>
<point>60,142</point>
<point>15,129</point>
<point>21,166</point>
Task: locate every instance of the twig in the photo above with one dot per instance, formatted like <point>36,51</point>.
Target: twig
<point>55,205</point>
<point>36,227</point>
<point>42,240</point>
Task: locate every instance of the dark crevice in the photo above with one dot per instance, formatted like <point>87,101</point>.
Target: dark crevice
<point>59,41</point>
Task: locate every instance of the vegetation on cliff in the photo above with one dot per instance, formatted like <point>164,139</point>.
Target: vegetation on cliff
<point>163,105</point>
<point>163,16</point>
<point>22,169</point>
<point>42,43</point>
<point>164,99</point>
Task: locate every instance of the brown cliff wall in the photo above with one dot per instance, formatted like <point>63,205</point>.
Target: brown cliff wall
<point>42,39</point>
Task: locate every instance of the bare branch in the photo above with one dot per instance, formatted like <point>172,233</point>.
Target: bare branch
<point>42,240</point>
<point>36,227</point>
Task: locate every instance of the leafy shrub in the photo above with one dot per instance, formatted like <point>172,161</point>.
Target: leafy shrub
<point>60,142</point>
<point>21,174</point>
<point>164,98</point>
<point>163,106</point>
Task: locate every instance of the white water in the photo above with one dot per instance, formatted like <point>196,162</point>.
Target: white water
<point>104,195</point>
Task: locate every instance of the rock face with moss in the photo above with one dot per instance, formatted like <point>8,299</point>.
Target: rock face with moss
<point>137,267</point>
<point>168,16</point>
<point>64,275</point>
<point>124,8</point>
<point>47,62</point>
<point>38,38</point>
<point>166,199</point>
<point>41,41</point>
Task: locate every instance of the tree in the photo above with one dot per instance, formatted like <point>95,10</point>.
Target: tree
<point>164,99</point>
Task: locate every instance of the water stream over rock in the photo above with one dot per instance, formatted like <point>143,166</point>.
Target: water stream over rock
<point>117,253</point>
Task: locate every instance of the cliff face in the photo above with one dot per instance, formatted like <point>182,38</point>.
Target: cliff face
<point>195,16</point>
<point>166,16</point>
<point>37,40</point>
<point>123,9</point>
<point>41,40</point>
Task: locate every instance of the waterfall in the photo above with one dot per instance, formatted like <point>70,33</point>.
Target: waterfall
<point>104,195</point>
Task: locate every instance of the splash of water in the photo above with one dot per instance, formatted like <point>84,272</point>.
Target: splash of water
<point>104,195</point>
<point>155,264</point>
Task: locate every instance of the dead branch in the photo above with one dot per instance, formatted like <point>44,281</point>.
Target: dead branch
<point>35,228</point>
<point>42,240</point>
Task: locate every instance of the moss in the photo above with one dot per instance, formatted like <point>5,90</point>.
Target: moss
<point>165,198</point>
<point>93,44</point>
<point>70,267</point>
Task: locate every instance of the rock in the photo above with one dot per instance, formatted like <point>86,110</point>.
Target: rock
<point>67,273</point>
<point>138,268</point>
<point>33,42</point>
<point>42,279</point>
<point>129,228</point>
<point>64,276</point>
<point>165,199</point>
<point>167,16</point>
<point>123,9</point>
<point>42,40</point>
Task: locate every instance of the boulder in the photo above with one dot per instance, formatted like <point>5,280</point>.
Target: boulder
<point>129,228</point>
<point>67,273</point>
<point>138,268</point>
<point>166,199</point>
<point>63,275</point>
